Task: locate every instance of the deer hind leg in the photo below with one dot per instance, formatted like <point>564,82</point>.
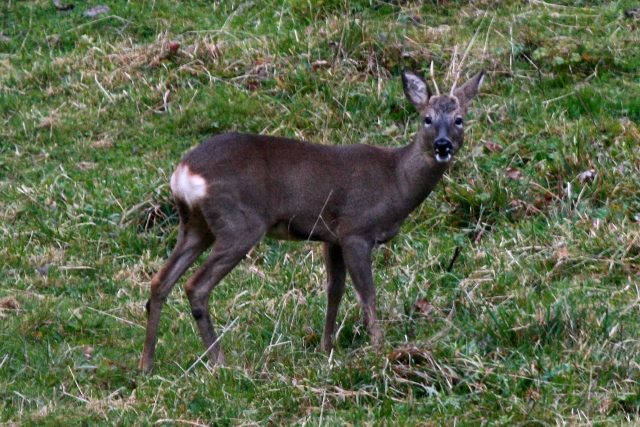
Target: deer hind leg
<point>193,239</point>
<point>336,274</point>
<point>228,250</point>
<point>357,258</point>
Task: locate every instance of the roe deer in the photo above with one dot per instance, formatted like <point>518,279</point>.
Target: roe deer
<point>234,189</point>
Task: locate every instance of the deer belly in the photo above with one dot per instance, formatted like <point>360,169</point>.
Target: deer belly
<point>281,231</point>
<point>296,230</point>
<point>383,236</point>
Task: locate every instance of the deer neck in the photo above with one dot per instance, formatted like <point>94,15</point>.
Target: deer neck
<point>418,173</point>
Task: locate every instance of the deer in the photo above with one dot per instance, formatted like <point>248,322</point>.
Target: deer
<point>234,189</point>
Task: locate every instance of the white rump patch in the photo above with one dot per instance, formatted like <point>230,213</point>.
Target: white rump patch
<point>187,186</point>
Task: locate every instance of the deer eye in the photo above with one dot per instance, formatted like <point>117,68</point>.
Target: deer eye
<point>458,121</point>
<point>428,121</point>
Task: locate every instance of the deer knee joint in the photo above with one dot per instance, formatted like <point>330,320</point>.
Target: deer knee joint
<point>198,313</point>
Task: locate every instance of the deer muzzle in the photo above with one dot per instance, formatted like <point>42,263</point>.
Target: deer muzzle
<point>443,150</point>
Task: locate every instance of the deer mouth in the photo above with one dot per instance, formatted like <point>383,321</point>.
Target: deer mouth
<point>443,158</point>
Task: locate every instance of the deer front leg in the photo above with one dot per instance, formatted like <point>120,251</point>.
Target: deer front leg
<point>357,258</point>
<point>336,274</point>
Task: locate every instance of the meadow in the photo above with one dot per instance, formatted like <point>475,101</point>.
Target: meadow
<point>510,297</point>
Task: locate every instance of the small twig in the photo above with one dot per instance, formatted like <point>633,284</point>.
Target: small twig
<point>549,101</point>
<point>479,236</point>
<point>28,31</point>
<point>115,317</point>
<point>544,3</point>
<point>533,248</point>
<point>586,107</point>
<point>466,53</point>
<point>164,108</point>
<point>324,398</point>
<point>133,209</point>
<point>320,215</point>
<point>122,20</point>
<point>81,397</point>
<point>191,423</point>
<point>455,257</point>
<point>486,40</point>
<point>4,359</point>
<point>124,27</point>
<point>236,12</point>
<point>199,359</point>
<point>102,88</point>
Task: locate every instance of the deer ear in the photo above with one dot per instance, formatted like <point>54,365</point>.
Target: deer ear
<point>468,91</point>
<point>415,88</point>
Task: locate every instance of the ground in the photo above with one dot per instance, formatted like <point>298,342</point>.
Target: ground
<point>535,323</point>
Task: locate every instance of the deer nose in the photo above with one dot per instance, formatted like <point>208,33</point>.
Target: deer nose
<point>443,146</point>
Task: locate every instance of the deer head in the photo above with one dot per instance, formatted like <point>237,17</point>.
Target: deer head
<point>442,132</point>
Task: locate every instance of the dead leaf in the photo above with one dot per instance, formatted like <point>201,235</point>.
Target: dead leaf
<point>320,64</point>
<point>493,147</point>
<point>257,271</point>
<point>47,122</point>
<point>440,30</point>
<point>528,209</point>
<point>514,173</point>
<point>9,303</point>
<point>214,50</point>
<point>103,143</point>
<point>85,166</point>
<point>409,355</point>
<point>92,12</point>
<point>43,269</point>
<point>53,39</point>
<point>391,130</point>
<point>253,85</point>
<point>587,176</point>
<point>562,253</point>
<point>532,394</point>
<point>632,13</point>
<point>62,7</point>
<point>423,306</point>
<point>87,351</point>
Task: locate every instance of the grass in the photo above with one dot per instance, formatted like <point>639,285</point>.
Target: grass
<point>536,324</point>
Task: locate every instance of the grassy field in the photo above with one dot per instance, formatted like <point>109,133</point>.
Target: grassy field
<point>536,324</point>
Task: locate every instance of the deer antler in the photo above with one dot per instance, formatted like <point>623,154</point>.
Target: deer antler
<point>433,80</point>
<point>455,82</point>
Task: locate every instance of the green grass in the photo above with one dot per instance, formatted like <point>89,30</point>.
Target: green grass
<point>537,323</point>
